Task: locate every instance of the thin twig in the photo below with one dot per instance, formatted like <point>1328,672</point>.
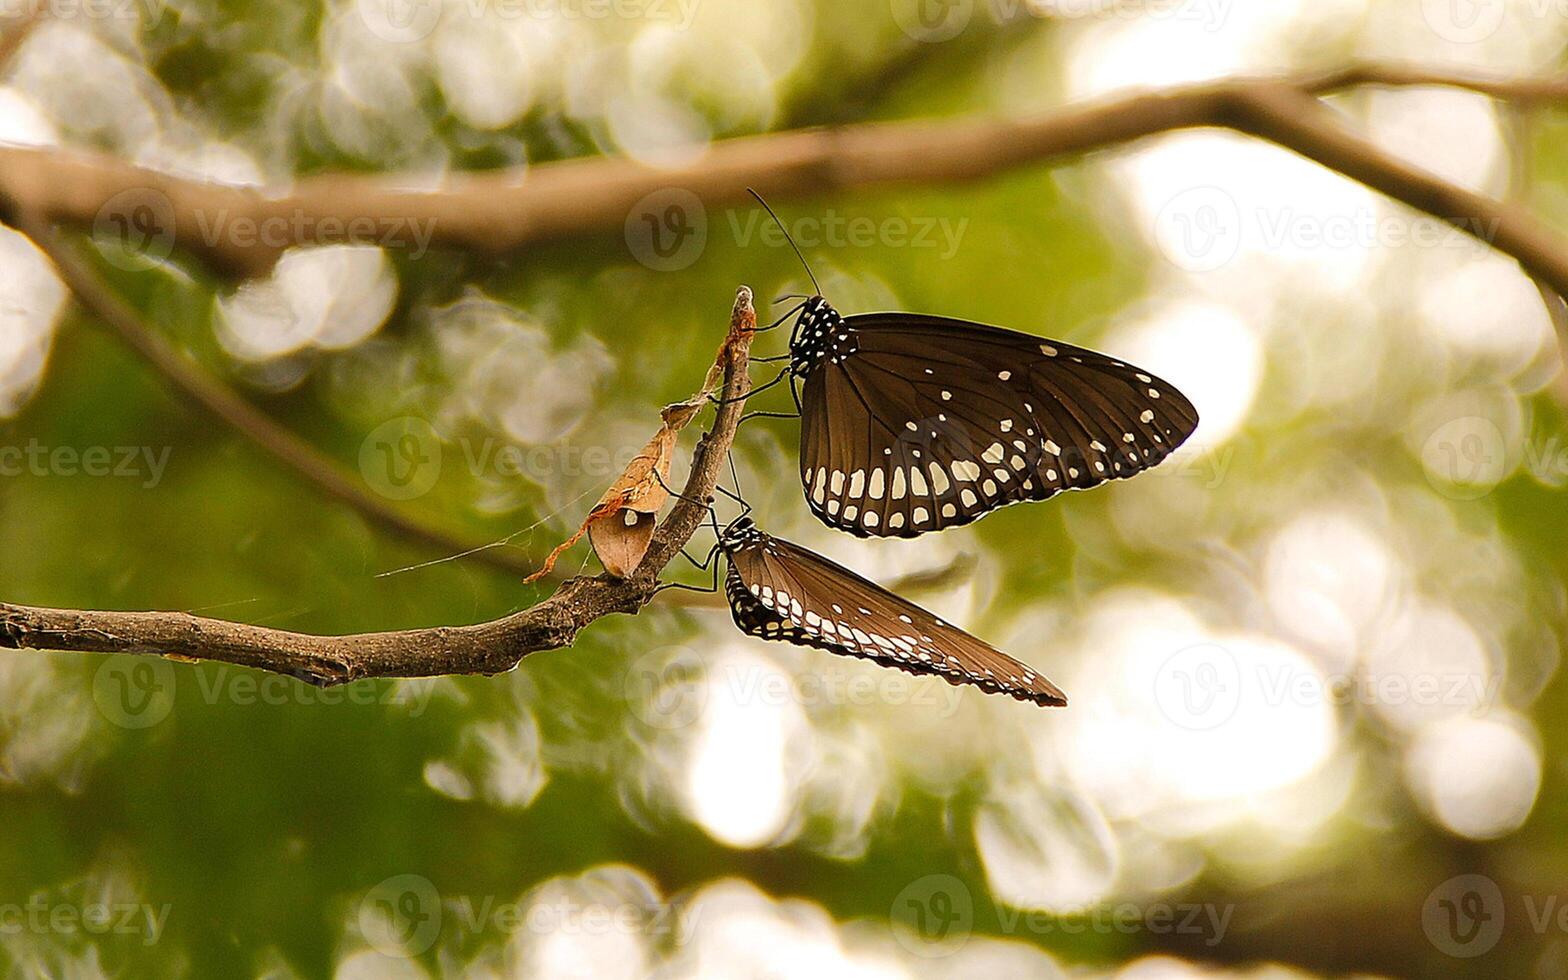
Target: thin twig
<point>502,210</point>
<point>212,395</point>
<point>484,648</point>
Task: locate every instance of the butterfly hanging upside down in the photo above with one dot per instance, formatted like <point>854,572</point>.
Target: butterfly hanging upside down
<point>913,423</point>
<point>780,591</point>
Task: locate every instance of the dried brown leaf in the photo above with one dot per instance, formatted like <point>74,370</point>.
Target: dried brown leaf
<point>620,526</point>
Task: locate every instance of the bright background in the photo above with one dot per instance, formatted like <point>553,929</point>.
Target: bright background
<point>1313,661</point>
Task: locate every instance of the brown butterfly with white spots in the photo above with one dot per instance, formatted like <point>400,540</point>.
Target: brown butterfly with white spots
<point>913,423</point>
<point>780,591</point>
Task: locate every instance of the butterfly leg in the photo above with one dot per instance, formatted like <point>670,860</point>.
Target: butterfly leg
<point>706,590</point>
<point>755,391</point>
<point>710,563</point>
<point>681,496</point>
<point>781,319</point>
<point>770,415</point>
<point>705,563</point>
<point>745,507</point>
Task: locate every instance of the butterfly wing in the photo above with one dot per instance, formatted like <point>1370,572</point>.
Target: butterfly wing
<point>781,591</point>
<point>933,422</point>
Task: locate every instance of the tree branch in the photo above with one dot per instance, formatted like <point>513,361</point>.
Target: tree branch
<point>213,396</point>
<point>1298,122</point>
<point>503,210</point>
<point>484,648</point>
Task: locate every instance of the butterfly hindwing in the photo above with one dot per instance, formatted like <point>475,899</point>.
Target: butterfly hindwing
<point>781,591</point>
<point>925,423</point>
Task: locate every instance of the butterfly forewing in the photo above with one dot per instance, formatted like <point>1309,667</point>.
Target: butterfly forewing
<point>924,423</point>
<point>781,591</point>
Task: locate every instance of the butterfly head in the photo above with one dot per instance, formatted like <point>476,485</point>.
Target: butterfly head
<point>738,533</point>
<point>819,332</point>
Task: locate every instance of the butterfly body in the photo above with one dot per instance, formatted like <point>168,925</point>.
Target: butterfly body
<point>780,591</point>
<point>913,423</point>
<point>819,335</point>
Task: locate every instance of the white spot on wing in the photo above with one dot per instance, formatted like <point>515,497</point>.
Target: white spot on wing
<point>967,470</point>
<point>939,481</point>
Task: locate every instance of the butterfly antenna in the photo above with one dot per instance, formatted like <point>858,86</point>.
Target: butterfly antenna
<point>734,476</point>
<point>787,238</point>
